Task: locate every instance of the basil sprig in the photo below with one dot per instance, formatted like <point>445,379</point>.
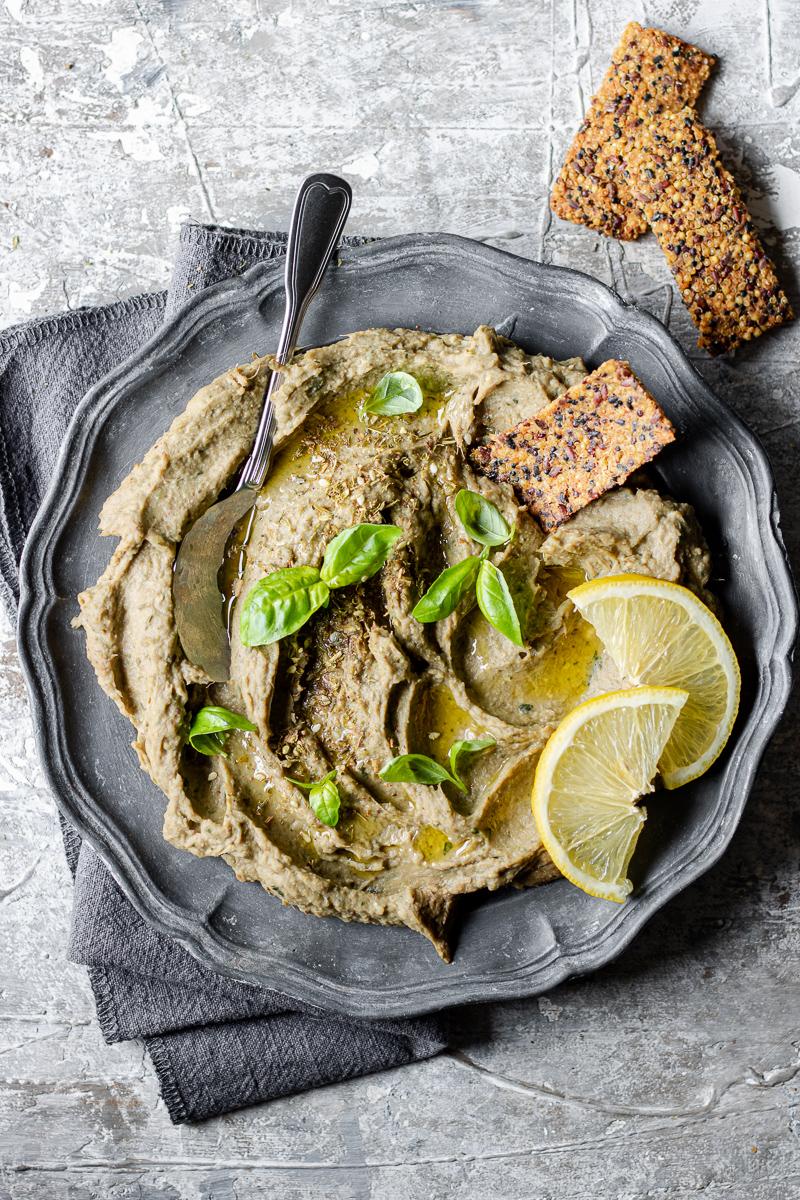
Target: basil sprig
<point>484,523</point>
<point>444,594</point>
<point>464,748</point>
<point>358,553</point>
<point>415,768</point>
<point>323,798</point>
<point>211,726</point>
<point>398,392</point>
<point>282,602</point>
<point>481,519</point>
<point>496,602</point>
<point>419,768</point>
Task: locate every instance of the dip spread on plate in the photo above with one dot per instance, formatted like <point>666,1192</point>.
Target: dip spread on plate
<point>363,681</point>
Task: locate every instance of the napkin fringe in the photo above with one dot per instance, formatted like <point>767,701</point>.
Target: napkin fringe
<point>31,333</point>
<point>105,1004</point>
<point>167,1083</point>
<point>224,237</point>
<point>12,531</point>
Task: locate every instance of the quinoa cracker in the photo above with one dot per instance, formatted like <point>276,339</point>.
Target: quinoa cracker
<point>699,217</point>
<point>651,72</point>
<point>586,441</point>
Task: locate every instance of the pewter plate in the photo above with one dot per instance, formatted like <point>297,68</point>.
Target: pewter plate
<point>513,943</point>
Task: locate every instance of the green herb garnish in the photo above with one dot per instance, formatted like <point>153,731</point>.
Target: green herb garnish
<point>323,797</point>
<point>464,748</point>
<point>282,602</point>
<point>414,768</point>
<point>398,392</point>
<point>356,554</point>
<point>211,727</point>
<point>419,768</point>
<point>484,523</point>
<point>496,602</point>
<point>443,595</point>
<point>481,519</point>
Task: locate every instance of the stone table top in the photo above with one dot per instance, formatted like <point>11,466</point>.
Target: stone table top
<point>673,1072</point>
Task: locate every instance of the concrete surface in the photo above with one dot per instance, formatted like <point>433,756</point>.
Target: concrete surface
<point>673,1073</point>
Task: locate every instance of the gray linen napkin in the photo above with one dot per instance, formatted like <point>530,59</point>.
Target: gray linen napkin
<point>216,1044</point>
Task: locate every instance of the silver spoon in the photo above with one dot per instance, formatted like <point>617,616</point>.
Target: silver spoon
<point>320,211</point>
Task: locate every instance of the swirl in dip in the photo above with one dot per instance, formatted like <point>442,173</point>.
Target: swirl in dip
<point>363,681</point>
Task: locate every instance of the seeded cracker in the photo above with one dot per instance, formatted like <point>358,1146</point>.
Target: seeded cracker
<point>702,225</point>
<point>580,445</point>
<point>650,73</point>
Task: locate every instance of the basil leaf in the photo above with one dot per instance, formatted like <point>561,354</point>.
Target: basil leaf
<point>414,768</point>
<point>398,392</point>
<point>210,727</point>
<point>323,797</point>
<point>280,603</point>
<point>357,553</point>
<point>482,520</point>
<point>463,748</point>
<point>324,800</point>
<point>444,594</point>
<point>496,603</point>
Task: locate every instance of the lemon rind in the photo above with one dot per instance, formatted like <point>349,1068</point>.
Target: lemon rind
<point>628,586</point>
<point>617,890</point>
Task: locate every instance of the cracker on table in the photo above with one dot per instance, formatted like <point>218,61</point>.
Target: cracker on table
<point>707,235</point>
<point>586,441</point>
<point>651,72</point>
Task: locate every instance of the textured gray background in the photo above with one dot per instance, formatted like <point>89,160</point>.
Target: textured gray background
<point>676,1071</point>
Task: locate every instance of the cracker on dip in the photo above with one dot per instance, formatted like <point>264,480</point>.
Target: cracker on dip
<point>586,441</point>
<point>650,73</point>
<point>707,235</point>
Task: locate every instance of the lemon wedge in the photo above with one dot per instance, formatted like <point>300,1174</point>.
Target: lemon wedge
<point>660,633</point>
<point>595,766</point>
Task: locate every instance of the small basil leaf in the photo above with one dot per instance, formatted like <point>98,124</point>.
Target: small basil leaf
<point>357,553</point>
<point>325,801</point>
<point>464,748</point>
<point>444,594</point>
<point>481,519</point>
<point>209,743</point>
<point>496,603</point>
<point>323,797</point>
<point>398,392</point>
<point>280,603</point>
<point>210,726</point>
<point>414,768</point>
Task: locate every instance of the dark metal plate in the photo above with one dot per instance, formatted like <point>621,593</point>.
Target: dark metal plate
<point>513,943</point>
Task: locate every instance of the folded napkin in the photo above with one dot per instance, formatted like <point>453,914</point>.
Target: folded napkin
<point>216,1044</point>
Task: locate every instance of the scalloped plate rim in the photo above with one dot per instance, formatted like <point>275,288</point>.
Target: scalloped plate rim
<point>205,943</point>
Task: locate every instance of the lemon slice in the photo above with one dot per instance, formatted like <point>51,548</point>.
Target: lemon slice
<point>600,760</point>
<point>660,633</point>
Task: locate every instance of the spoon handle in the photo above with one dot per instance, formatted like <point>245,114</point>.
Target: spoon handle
<point>320,211</point>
